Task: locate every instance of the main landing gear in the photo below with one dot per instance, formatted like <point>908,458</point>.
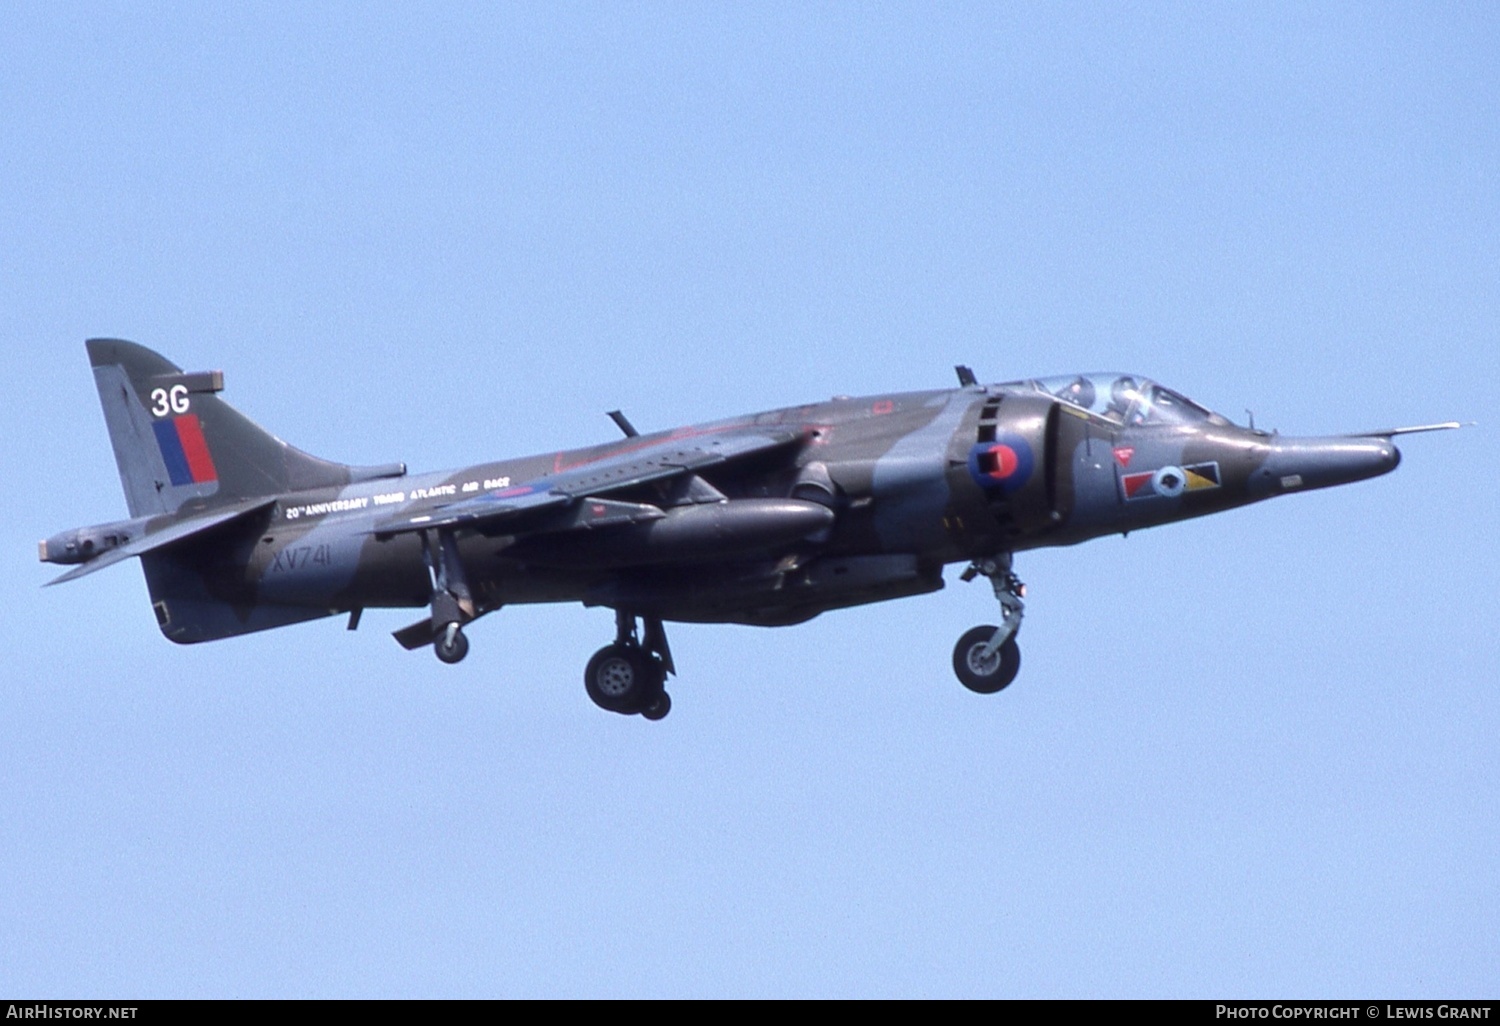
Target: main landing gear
<point>628,676</point>
<point>986,659</point>
<point>625,677</point>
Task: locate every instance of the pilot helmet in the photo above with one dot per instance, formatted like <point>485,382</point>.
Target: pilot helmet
<point>1079,392</point>
<point>1121,394</point>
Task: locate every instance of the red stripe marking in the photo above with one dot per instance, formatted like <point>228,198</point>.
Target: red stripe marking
<point>195,448</point>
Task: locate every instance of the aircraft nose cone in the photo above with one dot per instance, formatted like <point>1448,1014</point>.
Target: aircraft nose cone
<point>1298,464</point>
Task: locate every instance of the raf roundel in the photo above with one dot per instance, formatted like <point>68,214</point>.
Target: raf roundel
<point>1004,465</point>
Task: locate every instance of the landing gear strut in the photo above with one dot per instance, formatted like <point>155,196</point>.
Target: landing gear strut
<point>452,603</point>
<point>987,658</point>
<point>627,676</point>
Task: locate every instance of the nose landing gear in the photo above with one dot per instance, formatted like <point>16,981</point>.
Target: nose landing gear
<point>981,667</point>
<point>627,676</point>
<point>986,659</point>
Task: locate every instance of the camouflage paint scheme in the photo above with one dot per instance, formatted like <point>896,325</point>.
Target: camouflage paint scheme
<point>765,519</point>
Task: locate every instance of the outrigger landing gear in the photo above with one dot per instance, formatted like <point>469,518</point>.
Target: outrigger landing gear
<point>452,603</point>
<point>987,658</point>
<point>628,676</point>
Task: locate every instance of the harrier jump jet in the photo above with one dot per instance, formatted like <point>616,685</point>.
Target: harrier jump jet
<point>768,519</point>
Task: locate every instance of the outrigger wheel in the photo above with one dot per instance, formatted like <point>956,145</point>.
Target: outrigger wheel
<point>451,645</point>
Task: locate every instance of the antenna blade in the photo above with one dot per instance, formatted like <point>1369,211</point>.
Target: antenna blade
<point>623,423</point>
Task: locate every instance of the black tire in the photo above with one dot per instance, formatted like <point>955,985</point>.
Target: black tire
<point>659,708</point>
<point>985,676</point>
<point>622,679</point>
<point>453,653</point>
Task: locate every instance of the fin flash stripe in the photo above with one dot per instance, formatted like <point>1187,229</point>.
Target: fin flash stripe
<point>185,450</point>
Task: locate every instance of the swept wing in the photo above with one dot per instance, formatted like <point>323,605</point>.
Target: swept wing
<point>655,461</point>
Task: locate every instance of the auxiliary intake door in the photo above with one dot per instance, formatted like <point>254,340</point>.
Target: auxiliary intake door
<point>1012,462</point>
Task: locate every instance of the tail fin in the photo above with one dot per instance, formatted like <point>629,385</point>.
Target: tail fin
<point>175,440</point>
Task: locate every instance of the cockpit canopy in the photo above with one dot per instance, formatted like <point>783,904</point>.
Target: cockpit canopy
<point>1127,399</point>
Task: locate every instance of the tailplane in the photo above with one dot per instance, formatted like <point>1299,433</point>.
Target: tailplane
<point>175,440</point>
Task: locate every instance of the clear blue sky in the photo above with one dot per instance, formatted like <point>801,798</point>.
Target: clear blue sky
<point>1253,754</point>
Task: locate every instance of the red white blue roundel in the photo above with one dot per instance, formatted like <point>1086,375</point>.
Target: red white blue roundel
<point>1002,465</point>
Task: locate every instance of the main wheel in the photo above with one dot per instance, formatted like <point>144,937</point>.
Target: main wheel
<point>451,648</point>
<point>622,679</point>
<point>659,708</point>
<point>981,674</point>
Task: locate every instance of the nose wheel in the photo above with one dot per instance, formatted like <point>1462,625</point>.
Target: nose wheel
<point>627,676</point>
<point>986,659</point>
<point>980,666</point>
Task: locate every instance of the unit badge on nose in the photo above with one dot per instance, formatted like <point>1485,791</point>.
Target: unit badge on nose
<point>1170,482</point>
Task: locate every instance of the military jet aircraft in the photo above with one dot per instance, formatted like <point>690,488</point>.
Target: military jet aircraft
<point>768,519</point>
